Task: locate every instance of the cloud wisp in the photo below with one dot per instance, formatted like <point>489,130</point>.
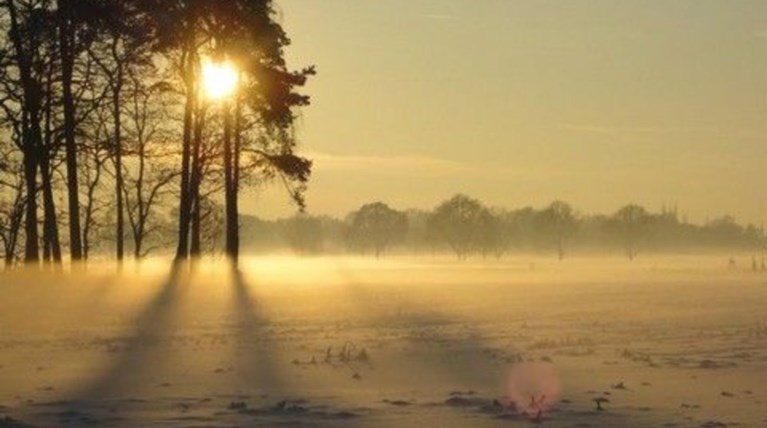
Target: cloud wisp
<point>602,129</point>
<point>441,17</point>
<point>408,165</point>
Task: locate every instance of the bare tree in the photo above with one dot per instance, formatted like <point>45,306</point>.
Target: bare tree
<point>631,222</point>
<point>460,222</point>
<point>121,53</point>
<point>376,227</point>
<point>28,23</point>
<point>11,204</point>
<point>78,24</point>
<point>558,221</point>
<point>149,177</point>
<point>93,160</point>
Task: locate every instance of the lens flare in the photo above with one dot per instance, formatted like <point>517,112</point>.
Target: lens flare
<point>534,388</point>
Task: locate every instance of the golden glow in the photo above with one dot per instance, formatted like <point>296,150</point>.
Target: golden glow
<point>219,79</point>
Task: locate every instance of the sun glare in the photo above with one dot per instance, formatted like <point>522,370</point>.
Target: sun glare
<point>219,79</point>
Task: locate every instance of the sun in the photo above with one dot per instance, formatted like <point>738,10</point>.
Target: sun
<point>219,79</point>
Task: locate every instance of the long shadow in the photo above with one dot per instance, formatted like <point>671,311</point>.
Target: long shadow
<point>427,327</point>
<point>137,352</point>
<point>259,372</point>
<point>433,332</point>
<point>473,406</point>
<point>255,352</point>
<point>95,401</point>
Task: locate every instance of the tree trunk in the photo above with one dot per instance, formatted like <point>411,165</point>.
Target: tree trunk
<point>8,257</point>
<point>195,249</point>
<point>230,189</point>
<point>236,180</point>
<point>66,41</point>
<point>138,221</point>
<point>30,118</point>
<point>32,249</point>
<point>31,163</point>
<point>117,116</point>
<point>14,227</point>
<point>138,244</point>
<point>196,181</point>
<point>50,223</point>
<point>52,251</point>
<point>185,202</point>
<point>137,250</point>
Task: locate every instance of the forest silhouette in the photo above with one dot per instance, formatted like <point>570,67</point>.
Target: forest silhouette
<point>119,113</point>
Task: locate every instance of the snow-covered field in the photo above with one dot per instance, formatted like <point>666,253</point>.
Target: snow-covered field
<point>667,342</point>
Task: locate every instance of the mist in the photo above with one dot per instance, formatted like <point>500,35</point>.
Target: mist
<point>358,340</point>
<point>382,214</point>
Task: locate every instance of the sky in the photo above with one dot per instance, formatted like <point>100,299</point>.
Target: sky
<point>521,102</point>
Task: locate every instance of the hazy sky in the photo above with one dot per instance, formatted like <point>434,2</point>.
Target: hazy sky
<point>519,102</point>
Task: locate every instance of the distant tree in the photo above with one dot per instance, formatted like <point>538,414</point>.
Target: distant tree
<point>595,231</point>
<point>631,222</point>
<point>723,230</point>
<point>303,233</point>
<point>495,233</point>
<point>664,229</point>
<point>522,227</point>
<point>417,234</point>
<point>559,221</point>
<point>460,222</point>
<point>333,234</point>
<point>376,227</point>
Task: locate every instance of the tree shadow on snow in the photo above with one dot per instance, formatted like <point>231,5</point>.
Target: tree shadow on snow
<point>131,358</point>
<point>438,345</point>
<point>256,352</point>
<point>426,328</point>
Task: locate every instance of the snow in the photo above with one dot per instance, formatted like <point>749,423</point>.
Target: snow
<point>669,341</point>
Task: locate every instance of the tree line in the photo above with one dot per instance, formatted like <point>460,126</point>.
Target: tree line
<point>107,140</point>
<point>466,227</point>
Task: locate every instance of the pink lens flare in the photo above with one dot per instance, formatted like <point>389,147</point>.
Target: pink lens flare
<point>534,388</point>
